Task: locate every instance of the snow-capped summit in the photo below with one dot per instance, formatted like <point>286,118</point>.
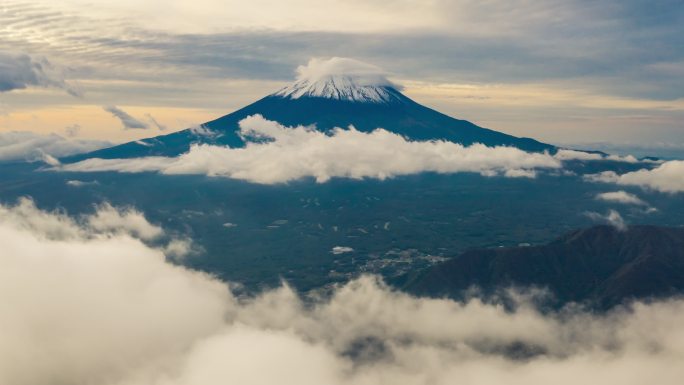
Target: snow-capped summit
<point>342,79</point>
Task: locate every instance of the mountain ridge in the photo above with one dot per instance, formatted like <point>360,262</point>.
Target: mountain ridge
<point>600,266</point>
<point>403,116</point>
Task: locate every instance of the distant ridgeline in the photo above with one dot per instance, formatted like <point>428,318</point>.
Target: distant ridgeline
<point>600,267</point>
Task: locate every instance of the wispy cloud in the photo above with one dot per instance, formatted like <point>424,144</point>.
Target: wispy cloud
<point>155,123</point>
<point>126,119</point>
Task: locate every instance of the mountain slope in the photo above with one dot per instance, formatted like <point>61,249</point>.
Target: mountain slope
<point>601,266</point>
<point>327,101</point>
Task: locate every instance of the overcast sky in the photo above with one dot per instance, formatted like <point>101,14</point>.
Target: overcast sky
<point>569,71</point>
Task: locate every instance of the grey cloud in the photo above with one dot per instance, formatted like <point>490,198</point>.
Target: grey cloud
<point>127,120</point>
<point>154,122</point>
<point>19,71</point>
<point>623,47</point>
<point>612,218</point>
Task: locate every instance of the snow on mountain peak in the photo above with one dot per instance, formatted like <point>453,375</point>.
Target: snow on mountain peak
<point>342,79</point>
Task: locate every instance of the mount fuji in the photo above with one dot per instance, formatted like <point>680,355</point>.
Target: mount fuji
<point>337,92</point>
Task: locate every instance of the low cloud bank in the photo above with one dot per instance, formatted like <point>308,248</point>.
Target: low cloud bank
<point>564,154</point>
<point>84,305</point>
<point>667,177</point>
<point>29,146</point>
<point>278,154</point>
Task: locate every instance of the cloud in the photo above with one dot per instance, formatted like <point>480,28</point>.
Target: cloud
<point>110,219</point>
<point>565,154</point>
<point>127,120</point>
<point>155,123</point>
<point>672,149</point>
<point>20,71</point>
<point>621,197</point>
<point>520,173</point>
<point>294,153</point>
<point>82,306</point>
<point>364,74</point>
<point>203,130</point>
<point>80,183</point>
<point>612,218</point>
<point>177,249</point>
<point>667,177</point>
<point>49,160</point>
<point>29,146</point>
<point>341,250</point>
<point>340,78</point>
<point>72,130</point>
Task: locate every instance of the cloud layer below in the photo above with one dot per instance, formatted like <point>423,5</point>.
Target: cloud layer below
<point>278,154</point>
<point>85,304</point>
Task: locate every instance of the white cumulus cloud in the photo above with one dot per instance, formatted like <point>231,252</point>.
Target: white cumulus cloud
<point>667,177</point>
<point>81,306</point>
<point>110,219</point>
<point>292,153</point>
<point>566,154</point>
<point>364,74</point>
<point>621,197</point>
